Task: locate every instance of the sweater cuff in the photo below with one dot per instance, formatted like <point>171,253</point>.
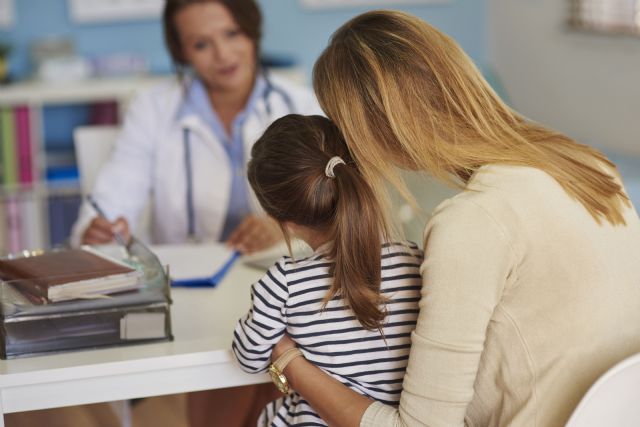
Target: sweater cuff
<point>377,414</point>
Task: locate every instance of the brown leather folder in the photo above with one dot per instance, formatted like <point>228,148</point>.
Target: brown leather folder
<point>67,274</point>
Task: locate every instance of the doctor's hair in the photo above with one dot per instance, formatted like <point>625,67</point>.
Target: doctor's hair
<point>246,13</point>
<point>287,174</point>
<point>406,95</point>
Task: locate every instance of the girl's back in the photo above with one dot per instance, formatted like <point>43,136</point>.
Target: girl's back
<point>290,298</point>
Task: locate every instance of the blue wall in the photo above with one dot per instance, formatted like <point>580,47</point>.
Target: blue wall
<point>36,19</point>
<point>290,30</point>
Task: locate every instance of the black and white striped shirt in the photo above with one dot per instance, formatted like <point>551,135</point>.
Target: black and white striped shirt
<point>289,298</point>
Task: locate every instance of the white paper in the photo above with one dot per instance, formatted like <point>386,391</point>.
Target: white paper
<point>192,261</point>
<point>135,326</point>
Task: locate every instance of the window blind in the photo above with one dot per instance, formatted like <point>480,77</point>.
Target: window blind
<point>611,16</point>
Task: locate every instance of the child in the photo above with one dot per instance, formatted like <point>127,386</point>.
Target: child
<point>352,305</point>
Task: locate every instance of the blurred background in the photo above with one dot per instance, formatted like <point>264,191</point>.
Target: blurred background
<point>573,65</point>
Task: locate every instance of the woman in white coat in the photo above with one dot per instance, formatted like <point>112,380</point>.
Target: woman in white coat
<point>185,144</point>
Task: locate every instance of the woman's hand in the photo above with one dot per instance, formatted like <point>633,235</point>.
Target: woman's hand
<point>337,404</point>
<point>101,231</point>
<point>255,233</point>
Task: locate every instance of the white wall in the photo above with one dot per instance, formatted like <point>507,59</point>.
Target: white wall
<point>585,85</point>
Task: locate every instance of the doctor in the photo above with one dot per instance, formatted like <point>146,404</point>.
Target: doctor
<point>185,144</point>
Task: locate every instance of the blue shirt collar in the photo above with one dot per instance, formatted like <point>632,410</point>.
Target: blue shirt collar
<point>196,102</point>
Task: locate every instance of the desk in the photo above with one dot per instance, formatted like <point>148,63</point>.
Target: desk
<point>198,359</point>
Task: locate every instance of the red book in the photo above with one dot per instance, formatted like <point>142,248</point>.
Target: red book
<point>12,216</point>
<point>23,137</point>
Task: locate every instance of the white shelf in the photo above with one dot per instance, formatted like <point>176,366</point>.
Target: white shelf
<point>82,91</point>
<point>97,89</point>
<point>109,10</point>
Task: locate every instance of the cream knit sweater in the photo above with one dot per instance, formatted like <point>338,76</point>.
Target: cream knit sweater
<point>526,301</point>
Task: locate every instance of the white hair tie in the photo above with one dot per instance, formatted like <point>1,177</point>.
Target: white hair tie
<point>332,163</point>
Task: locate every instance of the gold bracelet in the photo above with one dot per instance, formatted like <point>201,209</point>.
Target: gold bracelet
<point>276,370</point>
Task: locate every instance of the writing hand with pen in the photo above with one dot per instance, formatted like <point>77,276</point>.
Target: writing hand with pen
<point>253,234</point>
<point>101,230</point>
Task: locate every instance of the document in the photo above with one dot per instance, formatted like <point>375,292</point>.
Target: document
<point>197,265</point>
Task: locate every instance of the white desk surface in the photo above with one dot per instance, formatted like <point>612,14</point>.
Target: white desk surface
<point>199,358</point>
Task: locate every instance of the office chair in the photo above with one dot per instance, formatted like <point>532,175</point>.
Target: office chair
<point>93,147</point>
<point>613,400</point>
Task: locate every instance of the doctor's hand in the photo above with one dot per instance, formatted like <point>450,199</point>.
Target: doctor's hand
<point>101,231</point>
<point>255,233</point>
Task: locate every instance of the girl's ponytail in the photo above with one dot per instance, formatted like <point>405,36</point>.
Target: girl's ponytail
<point>357,232</point>
<point>298,179</point>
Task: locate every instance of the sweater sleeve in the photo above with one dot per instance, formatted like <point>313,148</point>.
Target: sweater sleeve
<point>468,259</point>
<point>263,326</point>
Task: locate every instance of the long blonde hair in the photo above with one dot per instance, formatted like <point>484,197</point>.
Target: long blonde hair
<point>404,94</point>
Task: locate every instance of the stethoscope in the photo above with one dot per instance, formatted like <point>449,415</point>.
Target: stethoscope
<point>188,164</point>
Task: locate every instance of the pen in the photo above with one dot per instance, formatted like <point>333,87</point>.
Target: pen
<point>119,238</point>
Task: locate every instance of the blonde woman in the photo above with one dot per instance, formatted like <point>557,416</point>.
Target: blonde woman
<point>531,279</point>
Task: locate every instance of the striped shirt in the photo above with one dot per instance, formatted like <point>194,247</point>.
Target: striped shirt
<point>289,299</point>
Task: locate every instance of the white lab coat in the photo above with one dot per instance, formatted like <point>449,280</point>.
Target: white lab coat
<point>148,163</point>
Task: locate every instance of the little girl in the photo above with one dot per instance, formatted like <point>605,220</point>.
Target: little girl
<point>352,305</point>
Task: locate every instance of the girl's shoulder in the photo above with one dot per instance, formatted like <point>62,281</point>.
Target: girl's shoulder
<point>318,263</point>
<point>295,265</point>
<point>401,251</point>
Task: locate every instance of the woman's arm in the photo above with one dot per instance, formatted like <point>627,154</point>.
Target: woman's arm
<point>336,403</point>
<point>467,261</point>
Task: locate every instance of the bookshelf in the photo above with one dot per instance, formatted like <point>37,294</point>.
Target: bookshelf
<point>33,202</point>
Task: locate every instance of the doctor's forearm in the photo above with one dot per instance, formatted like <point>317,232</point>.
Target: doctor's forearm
<point>337,404</point>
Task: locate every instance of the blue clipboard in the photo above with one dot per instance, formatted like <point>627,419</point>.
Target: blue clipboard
<point>210,281</point>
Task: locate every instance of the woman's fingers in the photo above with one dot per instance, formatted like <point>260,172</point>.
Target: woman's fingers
<point>121,227</point>
<point>98,232</point>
